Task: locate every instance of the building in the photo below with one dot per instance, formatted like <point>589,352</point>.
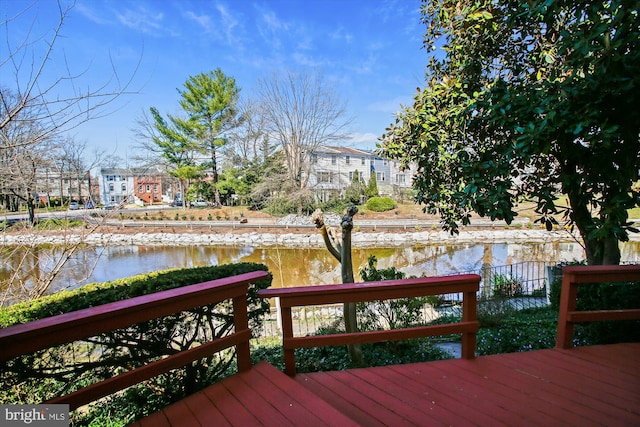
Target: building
<point>143,186</point>
<point>331,171</point>
<point>116,186</point>
<point>55,188</point>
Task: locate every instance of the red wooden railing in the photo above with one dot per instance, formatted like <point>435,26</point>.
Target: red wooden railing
<point>572,277</point>
<point>468,284</point>
<point>44,333</point>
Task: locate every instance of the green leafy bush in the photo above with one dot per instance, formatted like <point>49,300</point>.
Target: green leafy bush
<point>524,330</point>
<point>59,370</point>
<point>380,204</point>
<point>505,286</point>
<point>391,314</point>
<point>319,359</point>
<point>556,284</point>
<point>610,296</point>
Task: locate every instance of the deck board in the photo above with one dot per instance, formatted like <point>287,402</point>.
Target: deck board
<point>586,386</point>
<point>473,398</point>
<point>548,387</point>
<point>539,388</point>
<point>531,397</point>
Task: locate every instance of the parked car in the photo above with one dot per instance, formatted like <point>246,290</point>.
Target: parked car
<point>200,203</point>
<point>112,205</point>
<point>176,203</point>
<point>74,206</point>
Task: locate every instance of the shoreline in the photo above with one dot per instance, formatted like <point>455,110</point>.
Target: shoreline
<point>288,239</point>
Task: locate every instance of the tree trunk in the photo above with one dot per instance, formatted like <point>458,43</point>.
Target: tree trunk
<point>343,255</point>
<point>31,209</point>
<point>350,319</point>
<point>602,250</point>
<point>214,172</point>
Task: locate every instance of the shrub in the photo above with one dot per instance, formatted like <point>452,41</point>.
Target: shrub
<point>380,204</point>
<point>505,286</point>
<point>391,314</point>
<point>57,224</point>
<point>318,359</point>
<point>336,205</point>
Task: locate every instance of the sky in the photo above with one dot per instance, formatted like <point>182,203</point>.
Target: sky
<point>369,51</point>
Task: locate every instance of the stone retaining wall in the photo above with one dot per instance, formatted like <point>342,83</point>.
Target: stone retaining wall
<point>294,240</point>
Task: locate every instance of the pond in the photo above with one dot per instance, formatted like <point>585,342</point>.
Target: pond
<point>290,267</point>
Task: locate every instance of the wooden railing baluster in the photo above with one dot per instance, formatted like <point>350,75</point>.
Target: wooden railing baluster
<point>572,277</point>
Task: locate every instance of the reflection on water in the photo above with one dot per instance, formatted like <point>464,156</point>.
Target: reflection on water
<point>290,267</point>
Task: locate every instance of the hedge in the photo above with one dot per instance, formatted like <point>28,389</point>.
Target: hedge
<point>380,204</point>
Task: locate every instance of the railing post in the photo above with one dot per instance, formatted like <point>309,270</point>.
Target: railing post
<point>287,333</point>
<point>469,314</point>
<point>568,296</point>
<point>241,323</point>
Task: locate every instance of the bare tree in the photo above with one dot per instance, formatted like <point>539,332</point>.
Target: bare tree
<point>57,105</point>
<point>301,113</point>
<point>37,109</point>
<point>249,142</point>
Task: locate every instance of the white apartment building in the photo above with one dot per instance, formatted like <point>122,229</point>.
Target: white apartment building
<point>116,185</point>
<point>331,171</point>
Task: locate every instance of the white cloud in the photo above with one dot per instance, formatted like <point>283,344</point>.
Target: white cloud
<point>143,20</point>
<point>229,25</point>
<point>203,21</point>
<point>340,34</point>
<point>391,105</point>
<point>92,14</point>
<point>310,61</point>
<point>367,139</point>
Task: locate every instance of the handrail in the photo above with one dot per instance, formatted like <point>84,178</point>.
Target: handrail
<point>44,333</point>
<point>468,284</point>
<point>574,276</point>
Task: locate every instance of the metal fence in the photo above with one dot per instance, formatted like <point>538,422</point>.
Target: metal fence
<point>519,286</point>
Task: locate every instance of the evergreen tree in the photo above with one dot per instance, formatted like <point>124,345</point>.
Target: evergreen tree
<point>372,187</point>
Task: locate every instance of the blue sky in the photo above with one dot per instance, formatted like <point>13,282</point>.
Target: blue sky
<point>368,50</point>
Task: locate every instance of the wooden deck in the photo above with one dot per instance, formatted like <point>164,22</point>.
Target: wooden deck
<point>585,386</point>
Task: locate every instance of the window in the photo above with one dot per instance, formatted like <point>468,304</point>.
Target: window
<point>148,188</point>
<point>124,187</point>
<point>324,177</point>
<point>400,178</point>
<point>155,188</point>
<point>314,158</point>
<point>347,159</point>
<point>111,187</point>
<point>334,159</point>
<point>139,188</point>
<point>380,176</point>
<point>362,161</point>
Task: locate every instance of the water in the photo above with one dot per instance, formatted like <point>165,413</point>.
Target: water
<point>290,267</point>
